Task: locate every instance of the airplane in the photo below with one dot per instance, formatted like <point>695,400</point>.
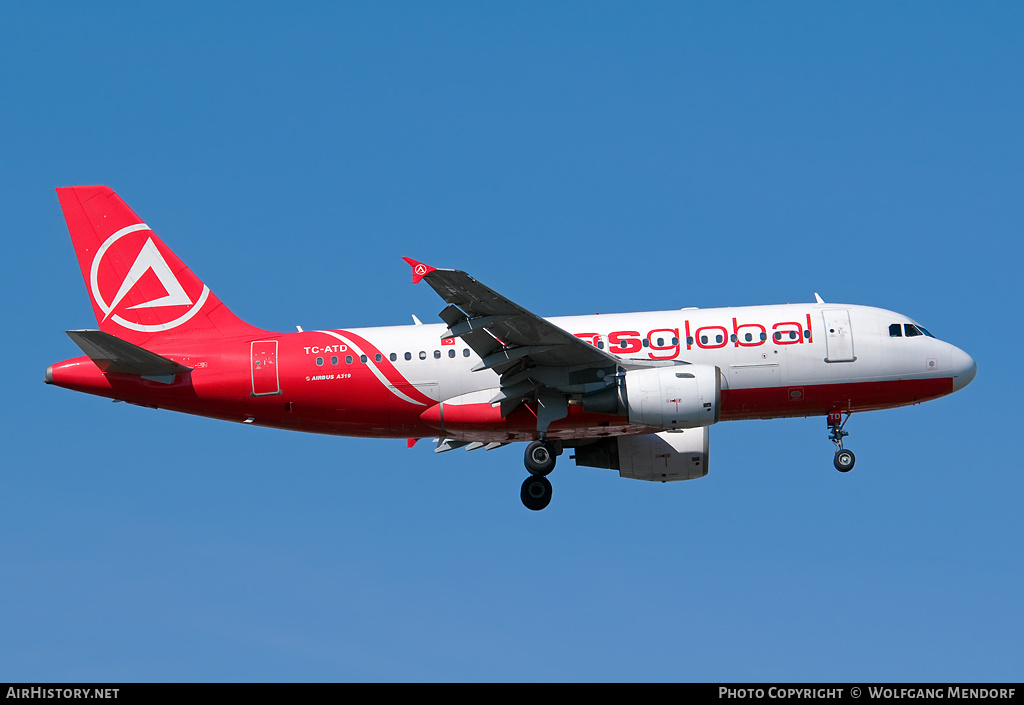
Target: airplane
<point>632,392</point>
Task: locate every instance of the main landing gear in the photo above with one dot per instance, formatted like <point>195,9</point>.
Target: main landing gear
<point>540,460</point>
<point>844,459</point>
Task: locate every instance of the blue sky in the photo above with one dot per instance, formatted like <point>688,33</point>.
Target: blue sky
<point>578,158</point>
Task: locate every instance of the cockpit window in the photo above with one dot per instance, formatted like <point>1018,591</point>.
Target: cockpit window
<point>897,330</point>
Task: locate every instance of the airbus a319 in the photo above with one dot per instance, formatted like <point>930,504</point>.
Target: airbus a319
<point>632,392</point>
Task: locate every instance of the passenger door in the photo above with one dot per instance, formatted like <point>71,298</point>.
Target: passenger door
<point>838,336</point>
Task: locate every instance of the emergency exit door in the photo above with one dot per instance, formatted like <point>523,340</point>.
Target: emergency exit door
<point>265,380</point>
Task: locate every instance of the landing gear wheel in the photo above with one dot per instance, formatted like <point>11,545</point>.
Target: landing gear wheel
<point>844,460</point>
<point>540,458</point>
<point>536,492</point>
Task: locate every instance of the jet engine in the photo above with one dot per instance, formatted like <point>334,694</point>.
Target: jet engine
<point>657,457</point>
<point>669,398</point>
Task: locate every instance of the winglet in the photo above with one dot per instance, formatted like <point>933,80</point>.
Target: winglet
<point>419,270</point>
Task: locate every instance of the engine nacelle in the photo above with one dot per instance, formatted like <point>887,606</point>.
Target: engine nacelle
<point>657,457</point>
<point>681,396</point>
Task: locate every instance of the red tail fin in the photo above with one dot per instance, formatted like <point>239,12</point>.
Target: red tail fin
<point>141,292</point>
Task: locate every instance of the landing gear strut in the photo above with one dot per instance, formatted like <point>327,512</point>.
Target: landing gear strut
<point>540,460</point>
<point>844,459</point>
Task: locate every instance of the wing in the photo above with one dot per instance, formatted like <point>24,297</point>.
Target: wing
<point>535,358</point>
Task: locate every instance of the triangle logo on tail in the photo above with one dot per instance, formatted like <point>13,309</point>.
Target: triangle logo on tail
<point>150,259</point>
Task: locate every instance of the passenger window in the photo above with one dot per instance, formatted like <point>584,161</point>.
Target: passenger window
<point>423,355</point>
<point>408,356</point>
<point>362,358</point>
<point>377,357</point>
<point>334,359</point>
<point>437,354</point>
<point>718,339</point>
<point>895,331</point>
<point>661,342</point>
<point>465,352</point>
<point>911,330</point>
<point>749,337</point>
<point>451,353</point>
<point>348,359</point>
<point>600,345</point>
<point>319,362</point>
<point>647,343</point>
<point>393,357</point>
<point>703,340</point>
<point>675,340</point>
<point>764,336</point>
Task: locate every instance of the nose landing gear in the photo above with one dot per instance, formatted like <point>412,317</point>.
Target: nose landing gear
<point>844,459</point>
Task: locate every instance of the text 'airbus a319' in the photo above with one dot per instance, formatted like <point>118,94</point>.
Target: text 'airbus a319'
<point>633,392</point>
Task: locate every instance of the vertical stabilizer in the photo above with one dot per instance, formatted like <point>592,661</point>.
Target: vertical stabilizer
<point>140,291</point>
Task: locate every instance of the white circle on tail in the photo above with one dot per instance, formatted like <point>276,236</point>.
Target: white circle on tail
<point>149,258</point>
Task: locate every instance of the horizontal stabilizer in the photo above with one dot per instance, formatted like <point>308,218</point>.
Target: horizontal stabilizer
<point>111,354</point>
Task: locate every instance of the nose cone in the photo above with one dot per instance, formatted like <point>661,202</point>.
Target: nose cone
<point>964,369</point>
